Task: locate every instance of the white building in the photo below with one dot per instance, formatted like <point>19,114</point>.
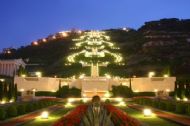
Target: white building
<point>91,86</point>
<point>10,67</point>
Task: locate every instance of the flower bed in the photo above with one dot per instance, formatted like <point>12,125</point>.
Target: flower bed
<point>73,118</point>
<point>120,118</point>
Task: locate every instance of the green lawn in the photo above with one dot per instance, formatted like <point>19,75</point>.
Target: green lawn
<point>148,121</point>
<point>53,117</point>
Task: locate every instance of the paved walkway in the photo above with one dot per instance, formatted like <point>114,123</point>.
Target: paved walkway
<point>28,117</point>
<point>180,119</point>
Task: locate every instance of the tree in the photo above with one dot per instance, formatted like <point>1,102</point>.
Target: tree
<point>1,90</point>
<point>5,91</point>
<point>95,49</point>
<point>15,92</point>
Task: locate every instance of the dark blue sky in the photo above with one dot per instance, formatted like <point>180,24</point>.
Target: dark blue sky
<point>23,21</point>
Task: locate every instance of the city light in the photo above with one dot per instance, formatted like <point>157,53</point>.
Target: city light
<point>35,43</point>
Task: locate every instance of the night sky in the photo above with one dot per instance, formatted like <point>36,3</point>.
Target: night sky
<point>23,21</point>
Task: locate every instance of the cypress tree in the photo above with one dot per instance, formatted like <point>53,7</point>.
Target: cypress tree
<point>5,91</point>
<point>10,91</point>
<point>15,92</point>
<point>58,93</point>
<point>1,90</point>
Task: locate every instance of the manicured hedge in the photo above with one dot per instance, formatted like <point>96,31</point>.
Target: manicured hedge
<point>23,108</point>
<point>173,106</point>
<point>12,111</point>
<point>2,113</point>
<point>135,94</point>
<point>45,93</point>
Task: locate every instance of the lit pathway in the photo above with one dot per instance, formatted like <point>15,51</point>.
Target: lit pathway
<point>29,117</point>
<point>180,119</point>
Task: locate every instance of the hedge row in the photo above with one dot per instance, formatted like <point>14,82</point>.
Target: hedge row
<point>172,106</point>
<point>23,108</point>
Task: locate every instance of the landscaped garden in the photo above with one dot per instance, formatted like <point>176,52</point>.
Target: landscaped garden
<point>87,112</point>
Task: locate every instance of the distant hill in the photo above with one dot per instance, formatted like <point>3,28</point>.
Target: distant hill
<point>162,46</point>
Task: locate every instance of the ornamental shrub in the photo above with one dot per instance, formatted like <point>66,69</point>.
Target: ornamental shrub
<point>162,105</point>
<point>155,103</point>
<point>180,108</point>
<point>29,107</point>
<point>12,111</point>
<point>170,106</point>
<point>2,113</point>
<point>188,109</point>
<point>21,109</point>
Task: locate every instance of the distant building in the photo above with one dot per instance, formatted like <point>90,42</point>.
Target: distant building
<point>10,67</point>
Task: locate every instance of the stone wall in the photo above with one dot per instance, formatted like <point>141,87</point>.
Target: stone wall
<point>138,84</point>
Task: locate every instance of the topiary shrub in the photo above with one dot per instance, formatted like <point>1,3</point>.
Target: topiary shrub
<point>21,109</point>
<point>29,107</point>
<point>2,113</point>
<point>12,111</point>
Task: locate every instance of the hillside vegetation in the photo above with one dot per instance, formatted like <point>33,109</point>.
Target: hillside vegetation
<point>162,46</point>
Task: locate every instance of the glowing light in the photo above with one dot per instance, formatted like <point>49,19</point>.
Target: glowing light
<point>166,75</point>
<point>136,91</point>
<point>167,90</point>
<point>122,103</point>
<point>178,99</point>
<point>53,91</point>
<point>71,100</point>
<point>2,80</point>
<point>185,99</point>
<point>119,99</point>
<point>107,94</point>
<point>151,74</point>
<point>11,101</point>
<point>9,52</point>
<point>35,43</point>
<point>155,90</point>
<point>81,76</point>
<point>68,105</point>
<point>85,100</point>
<point>147,112</point>
<point>34,90</point>
<point>23,75</point>
<point>21,90</point>
<point>3,102</point>
<point>44,115</point>
<point>44,40</point>
<point>38,74</point>
<point>107,76</point>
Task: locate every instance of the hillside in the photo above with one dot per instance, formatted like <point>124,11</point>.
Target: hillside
<point>162,46</point>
